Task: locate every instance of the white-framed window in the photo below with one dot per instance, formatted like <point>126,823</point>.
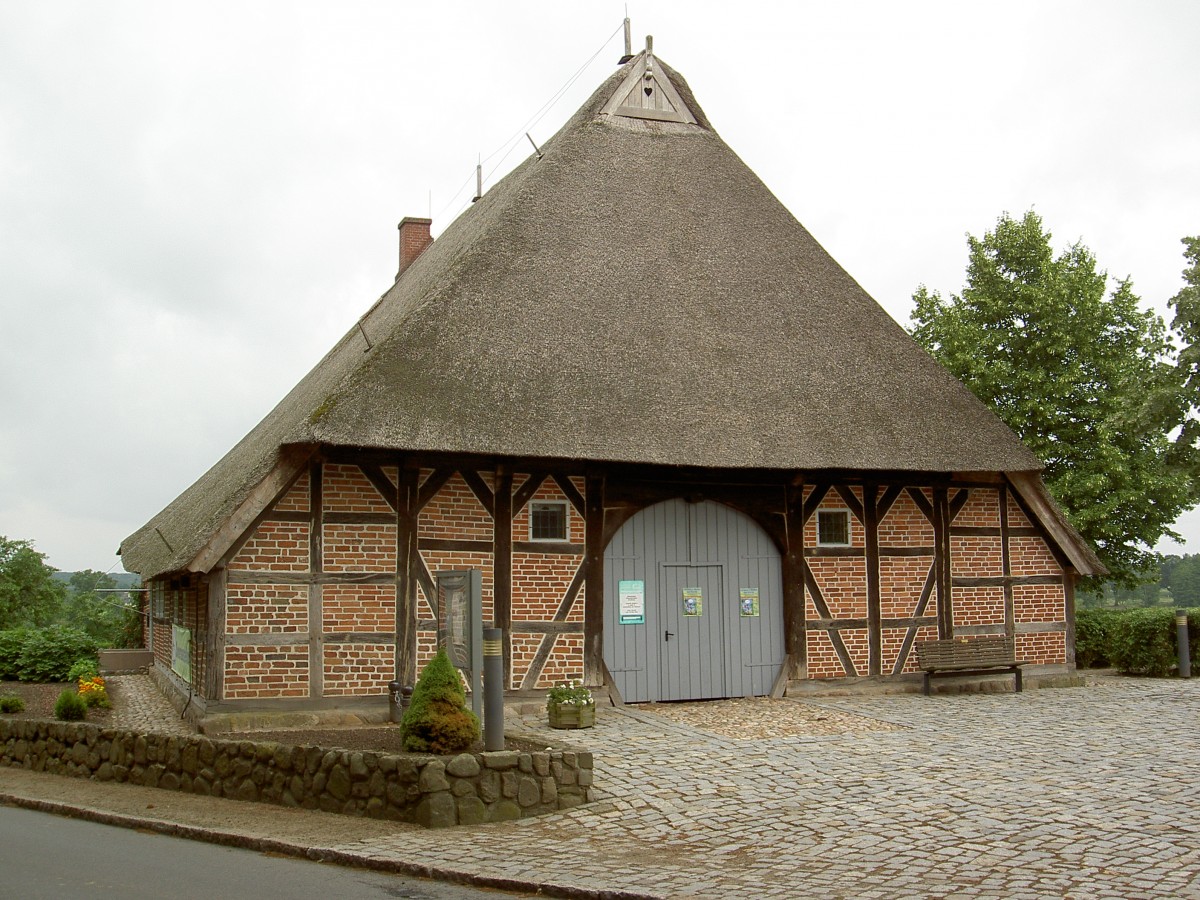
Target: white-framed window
<point>157,599</point>
<point>548,520</point>
<point>833,528</point>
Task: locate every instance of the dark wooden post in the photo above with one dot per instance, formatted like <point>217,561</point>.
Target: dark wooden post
<point>502,516</point>
<point>874,614</point>
<point>214,663</point>
<point>1010,614</point>
<point>941,537</point>
<point>794,636</point>
<point>316,563</point>
<point>406,579</point>
<point>593,596</point>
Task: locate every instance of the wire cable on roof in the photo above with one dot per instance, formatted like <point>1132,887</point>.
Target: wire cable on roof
<point>533,120</point>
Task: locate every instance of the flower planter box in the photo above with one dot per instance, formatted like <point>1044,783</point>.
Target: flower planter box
<point>571,715</point>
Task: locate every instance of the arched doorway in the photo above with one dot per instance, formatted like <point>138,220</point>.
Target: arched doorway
<point>693,605</point>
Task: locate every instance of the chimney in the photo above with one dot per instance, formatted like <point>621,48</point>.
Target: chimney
<point>414,238</point>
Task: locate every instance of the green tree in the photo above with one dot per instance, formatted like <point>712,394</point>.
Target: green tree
<point>1187,323</point>
<point>1185,581</point>
<point>1087,381</point>
<point>29,594</point>
<point>94,605</point>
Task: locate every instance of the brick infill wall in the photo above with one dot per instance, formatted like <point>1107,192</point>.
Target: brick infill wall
<point>433,791</point>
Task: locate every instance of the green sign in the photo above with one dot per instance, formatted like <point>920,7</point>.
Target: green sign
<point>181,652</point>
<point>693,601</point>
<point>631,602</point>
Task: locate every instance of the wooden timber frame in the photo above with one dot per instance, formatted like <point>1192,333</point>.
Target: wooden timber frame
<point>613,494</point>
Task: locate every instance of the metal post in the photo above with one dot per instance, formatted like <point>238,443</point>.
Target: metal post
<point>395,702</point>
<point>1181,635</point>
<point>493,689</point>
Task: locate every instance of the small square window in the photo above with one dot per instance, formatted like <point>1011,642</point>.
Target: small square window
<point>548,521</point>
<point>833,527</point>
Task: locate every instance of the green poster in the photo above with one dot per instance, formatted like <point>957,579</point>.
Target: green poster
<point>748,599</point>
<point>693,601</point>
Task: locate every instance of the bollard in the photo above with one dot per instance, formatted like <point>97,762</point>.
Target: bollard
<point>395,703</point>
<point>493,690</point>
<point>1181,635</point>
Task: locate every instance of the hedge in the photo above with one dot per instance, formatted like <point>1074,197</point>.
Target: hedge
<point>43,654</point>
<point>1134,641</point>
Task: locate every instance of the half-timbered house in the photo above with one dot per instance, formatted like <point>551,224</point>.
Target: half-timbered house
<point>690,456</point>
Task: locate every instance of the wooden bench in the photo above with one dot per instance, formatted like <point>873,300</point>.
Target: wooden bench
<point>967,656</point>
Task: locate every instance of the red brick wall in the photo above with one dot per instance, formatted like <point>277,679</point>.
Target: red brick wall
<point>251,608</point>
<point>358,607</point>
<point>266,670</point>
<point>455,513</point>
<point>275,547</point>
<point>346,489</point>
<point>358,669</point>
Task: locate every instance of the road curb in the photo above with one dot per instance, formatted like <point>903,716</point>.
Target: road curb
<point>314,854</point>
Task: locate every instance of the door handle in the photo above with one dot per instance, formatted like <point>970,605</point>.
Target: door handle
<point>667,635</point>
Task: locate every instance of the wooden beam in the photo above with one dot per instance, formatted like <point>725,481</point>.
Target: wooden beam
<point>214,667</point>
<point>407,555</point>
<point>571,493</point>
<point>383,484</point>
<point>941,537</point>
<point>434,483</point>
<point>502,516</point>
<point>870,519</point>
<point>292,463</point>
<point>316,564</point>
<point>526,491</point>
<point>479,488</point>
<point>593,573</point>
<point>1010,612</point>
<point>795,642</point>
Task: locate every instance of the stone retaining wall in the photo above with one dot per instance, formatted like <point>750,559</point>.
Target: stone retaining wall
<point>429,790</point>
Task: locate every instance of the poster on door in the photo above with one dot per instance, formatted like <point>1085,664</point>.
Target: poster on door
<point>693,601</point>
<point>631,602</point>
<point>748,601</point>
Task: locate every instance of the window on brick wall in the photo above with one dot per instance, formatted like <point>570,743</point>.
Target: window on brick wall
<point>833,528</point>
<point>157,599</point>
<point>548,520</point>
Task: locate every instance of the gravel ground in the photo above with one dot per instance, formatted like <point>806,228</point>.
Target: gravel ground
<point>759,718</point>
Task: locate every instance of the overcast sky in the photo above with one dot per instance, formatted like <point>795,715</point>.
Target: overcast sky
<point>197,200</point>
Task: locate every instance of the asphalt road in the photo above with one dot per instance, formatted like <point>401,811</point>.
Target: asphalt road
<point>46,857</point>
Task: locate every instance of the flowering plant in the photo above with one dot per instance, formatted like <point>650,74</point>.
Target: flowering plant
<point>93,692</point>
<point>571,693</point>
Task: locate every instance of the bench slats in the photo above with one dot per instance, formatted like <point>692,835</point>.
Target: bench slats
<point>976,656</point>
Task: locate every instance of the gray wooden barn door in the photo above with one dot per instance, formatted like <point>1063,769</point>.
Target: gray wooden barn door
<point>735,646</point>
<point>692,657</point>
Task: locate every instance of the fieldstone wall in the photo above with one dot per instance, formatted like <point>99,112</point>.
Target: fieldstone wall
<point>432,791</point>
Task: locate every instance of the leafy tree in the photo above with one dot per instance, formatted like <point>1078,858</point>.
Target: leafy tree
<point>93,606</point>
<point>1187,323</point>
<point>1086,380</point>
<point>1185,581</point>
<point>29,594</point>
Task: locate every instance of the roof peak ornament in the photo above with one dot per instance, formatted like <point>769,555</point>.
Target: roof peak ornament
<point>647,93</point>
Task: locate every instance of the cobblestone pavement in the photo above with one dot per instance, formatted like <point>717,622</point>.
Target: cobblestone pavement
<point>1087,792</point>
<point>138,705</point>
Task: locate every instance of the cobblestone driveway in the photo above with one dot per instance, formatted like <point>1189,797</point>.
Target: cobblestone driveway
<point>1080,792</point>
<point>1089,792</point>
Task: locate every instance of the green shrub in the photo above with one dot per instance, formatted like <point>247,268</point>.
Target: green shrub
<point>1135,641</point>
<point>70,707</point>
<point>84,669</point>
<point>437,720</point>
<point>1092,638</point>
<point>11,642</point>
<point>11,704</point>
<point>47,654</point>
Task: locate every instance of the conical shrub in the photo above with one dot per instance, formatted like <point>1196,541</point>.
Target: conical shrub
<point>437,720</point>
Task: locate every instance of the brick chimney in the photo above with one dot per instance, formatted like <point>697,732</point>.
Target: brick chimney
<point>414,238</point>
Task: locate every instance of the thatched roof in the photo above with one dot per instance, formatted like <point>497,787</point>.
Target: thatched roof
<point>637,294</point>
